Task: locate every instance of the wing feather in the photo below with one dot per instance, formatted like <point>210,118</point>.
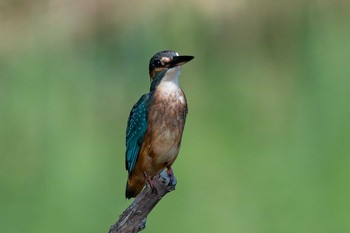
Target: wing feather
<point>135,132</point>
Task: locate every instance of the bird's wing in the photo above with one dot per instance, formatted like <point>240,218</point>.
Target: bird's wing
<point>135,132</point>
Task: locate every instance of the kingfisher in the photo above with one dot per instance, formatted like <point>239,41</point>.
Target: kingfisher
<point>156,123</point>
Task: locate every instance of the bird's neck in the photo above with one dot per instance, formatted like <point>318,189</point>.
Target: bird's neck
<point>167,79</point>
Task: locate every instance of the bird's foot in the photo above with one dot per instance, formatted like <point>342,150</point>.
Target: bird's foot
<point>150,182</point>
<point>170,173</point>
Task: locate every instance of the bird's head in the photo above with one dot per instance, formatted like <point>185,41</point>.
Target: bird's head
<point>164,61</point>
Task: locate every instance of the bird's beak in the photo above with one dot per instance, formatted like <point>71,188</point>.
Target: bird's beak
<point>180,60</point>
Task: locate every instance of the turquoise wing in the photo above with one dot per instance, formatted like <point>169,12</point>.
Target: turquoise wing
<point>135,132</point>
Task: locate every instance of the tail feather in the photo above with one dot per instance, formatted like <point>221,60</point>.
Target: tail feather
<point>133,187</point>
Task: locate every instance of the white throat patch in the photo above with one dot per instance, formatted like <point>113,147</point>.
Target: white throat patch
<point>170,86</point>
<point>172,77</point>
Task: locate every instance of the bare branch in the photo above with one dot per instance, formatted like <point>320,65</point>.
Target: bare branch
<point>134,217</point>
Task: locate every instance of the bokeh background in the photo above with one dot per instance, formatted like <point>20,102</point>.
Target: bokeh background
<point>266,146</point>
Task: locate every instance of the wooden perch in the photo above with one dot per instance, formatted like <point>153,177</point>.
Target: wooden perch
<point>134,217</point>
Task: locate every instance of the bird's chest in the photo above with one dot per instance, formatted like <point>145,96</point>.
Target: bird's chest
<point>166,120</point>
<point>168,111</point>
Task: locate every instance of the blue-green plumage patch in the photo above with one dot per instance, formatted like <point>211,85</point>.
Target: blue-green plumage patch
<point>135,132</point>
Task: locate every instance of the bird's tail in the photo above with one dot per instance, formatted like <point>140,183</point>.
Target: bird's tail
<point>134,186</point>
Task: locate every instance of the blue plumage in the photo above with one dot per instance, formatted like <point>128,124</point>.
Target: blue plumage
<point>135,132</point>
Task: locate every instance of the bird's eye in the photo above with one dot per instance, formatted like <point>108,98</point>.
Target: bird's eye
<point>157,63</point>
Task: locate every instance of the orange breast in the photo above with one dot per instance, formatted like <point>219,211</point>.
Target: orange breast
<point>166,121</point>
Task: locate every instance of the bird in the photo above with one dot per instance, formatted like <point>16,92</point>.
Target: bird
<point>156,123</point>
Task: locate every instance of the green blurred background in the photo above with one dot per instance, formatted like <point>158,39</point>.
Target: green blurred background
<point>266,146</point>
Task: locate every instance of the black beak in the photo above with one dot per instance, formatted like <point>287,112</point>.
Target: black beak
<point>180,60</point>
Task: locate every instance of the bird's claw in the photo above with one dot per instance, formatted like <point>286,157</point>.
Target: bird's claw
<point>172,178</point>
<point>150,182</point>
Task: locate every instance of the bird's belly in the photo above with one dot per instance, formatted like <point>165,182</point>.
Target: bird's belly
<point>166,141</point>
<point>166,144</point>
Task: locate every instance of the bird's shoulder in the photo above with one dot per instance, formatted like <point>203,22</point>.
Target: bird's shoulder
<point>138,114</point>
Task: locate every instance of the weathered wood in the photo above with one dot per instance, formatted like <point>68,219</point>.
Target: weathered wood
<point>133,219</point>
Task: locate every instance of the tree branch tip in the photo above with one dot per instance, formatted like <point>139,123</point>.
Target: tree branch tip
<point>134,218</point>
